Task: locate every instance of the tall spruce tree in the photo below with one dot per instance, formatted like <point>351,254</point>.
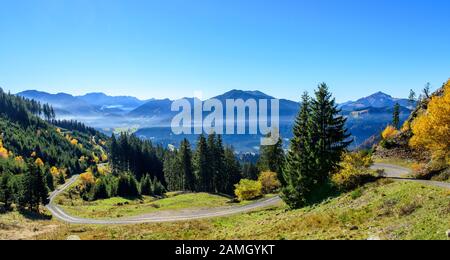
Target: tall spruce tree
<point>6,191</point>
<point>320,138</point>
<point>232,168</point>
<point>298,179</point>
<point>219,173</point>
<point>273,158</point>
<point>396,116</point>
<point>186,165</point>
<point>146,186</point>
<point>328,133</point>
<point>33,190</point>
<point>201,165</point>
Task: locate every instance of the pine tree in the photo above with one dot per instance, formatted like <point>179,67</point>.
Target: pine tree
<point>6,192</point>
<point>396,116</point>
<point>146,186</point>
<point>272,158</point>
<point>158,188</point>
<point>201,165</point>
<point>412,98</point>
<point>173,171</point>
<point>426,90</point>
<point>49,181</point>
<point>33,190</point>
<point>250,171</point>
<point>232,168</point>
<point>100,190</point>
<point>328,133</point>
<point>297,178</point>
<point>319,140</point>
<point>61,179</point>
<point>127,186</point>
<point>218,168</point>
<point>186,164</point>
<point>212,163</point>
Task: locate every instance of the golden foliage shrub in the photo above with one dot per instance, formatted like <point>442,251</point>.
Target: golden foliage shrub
<point>269,182</point>
<point>354,171</point>
<point>39,162</point>
<point>389,133</point>
<point>248,190</point>
<point>3,151</point>
<point>432,128</point>
<point>87,179</point>
<point>54,171</point>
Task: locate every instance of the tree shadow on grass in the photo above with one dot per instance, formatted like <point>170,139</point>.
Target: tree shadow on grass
<point>322,193</point>
<point>32,215</point>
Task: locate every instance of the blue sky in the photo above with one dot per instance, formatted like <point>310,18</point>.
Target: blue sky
<point>171,48</point>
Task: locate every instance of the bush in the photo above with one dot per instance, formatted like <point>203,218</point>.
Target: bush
<point>269,182</point>
<point>354,171</point>
<point>248,190</point>
<point>389,133</point>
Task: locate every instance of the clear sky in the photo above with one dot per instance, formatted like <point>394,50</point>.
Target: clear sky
<point>171,48</point>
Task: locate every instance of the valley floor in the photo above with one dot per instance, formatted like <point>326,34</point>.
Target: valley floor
<point>382,210</point>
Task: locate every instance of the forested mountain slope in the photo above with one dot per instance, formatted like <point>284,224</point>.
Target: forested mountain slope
<point>35,154</point>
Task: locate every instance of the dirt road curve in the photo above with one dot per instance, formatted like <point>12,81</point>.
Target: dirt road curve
<point>157,216</point>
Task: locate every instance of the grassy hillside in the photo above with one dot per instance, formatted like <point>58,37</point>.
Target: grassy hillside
<point>383,210</point>
<point>122,207</point>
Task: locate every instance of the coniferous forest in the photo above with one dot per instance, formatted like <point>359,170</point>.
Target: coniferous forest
<point>36,155</point>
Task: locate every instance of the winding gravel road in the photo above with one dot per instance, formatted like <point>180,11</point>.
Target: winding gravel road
<point>402,174</point>
<point>163,216</point>
<point>391,171</point>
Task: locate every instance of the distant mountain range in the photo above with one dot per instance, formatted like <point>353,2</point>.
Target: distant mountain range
<point>151,118</point>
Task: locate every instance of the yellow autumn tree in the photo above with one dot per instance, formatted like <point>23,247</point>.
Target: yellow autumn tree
<point>389,132</point>
<point>432,128</point>
<point>87,179</point>
<point>54,171</point>
<point>3,151</point>
<point>74,141</point>
<point>39,162</point>
<point>19,159</point>
<point>269,182</point>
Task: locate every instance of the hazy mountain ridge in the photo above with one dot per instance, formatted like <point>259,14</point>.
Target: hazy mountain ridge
<point>151,118</point>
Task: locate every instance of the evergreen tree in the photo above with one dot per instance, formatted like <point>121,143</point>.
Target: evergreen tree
<point>61,179</point>
<point>127,186</point>
<point>426,90</point>
<point>33,190</point>
<point>272,158</point>
<point>186,164</point>
<point>173,173</point>
<point>217,151</point>
<point>158,188</point>
<point>319,140</point>
<point>412,97</point>
<point>201,165</point>
<point>100,190</point>
<point>232,168</point>
<point>6,191</point>
<point>146,186</point>
<point>396,116</point>
<point>250,171</point>
<point>328,133</point>
<point>297,177</point>
<point>49,181</point>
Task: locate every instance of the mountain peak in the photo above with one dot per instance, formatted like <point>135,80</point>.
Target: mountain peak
<point>380,94</point>
<point>244,94</point>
